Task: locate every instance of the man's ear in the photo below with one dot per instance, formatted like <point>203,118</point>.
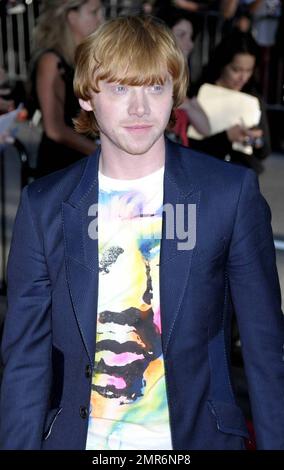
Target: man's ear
<point>86,105</point>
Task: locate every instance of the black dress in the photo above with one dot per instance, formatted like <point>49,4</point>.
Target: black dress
<point>53,156</point>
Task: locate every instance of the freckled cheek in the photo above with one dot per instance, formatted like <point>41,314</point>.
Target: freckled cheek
<point>104,112</point>
<point>164,103</point>
<point>165,110</point>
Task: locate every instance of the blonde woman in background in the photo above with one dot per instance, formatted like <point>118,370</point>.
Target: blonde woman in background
<point>61,27</point>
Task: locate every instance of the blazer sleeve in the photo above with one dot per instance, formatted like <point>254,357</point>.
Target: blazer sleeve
<point>26,346</point>
<point>256,297</point>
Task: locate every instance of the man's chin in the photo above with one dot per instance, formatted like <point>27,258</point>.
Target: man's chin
<point>138,151</point>
<point>139,148</point>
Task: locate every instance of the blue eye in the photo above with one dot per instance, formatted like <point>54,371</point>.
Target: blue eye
<point>156,88</point>
<point>120,89</point>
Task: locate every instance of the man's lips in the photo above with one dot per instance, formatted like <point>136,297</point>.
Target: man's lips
<point>138,127</point>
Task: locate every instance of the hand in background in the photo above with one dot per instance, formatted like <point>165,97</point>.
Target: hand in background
<point>241,134</point>
<point>237,133</point>
<point>255,136</point>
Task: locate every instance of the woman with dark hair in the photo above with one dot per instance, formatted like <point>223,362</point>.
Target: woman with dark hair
<point>189,112</point>
<point>232,66</point>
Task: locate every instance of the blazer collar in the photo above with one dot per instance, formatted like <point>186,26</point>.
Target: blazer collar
<point>185,182</point>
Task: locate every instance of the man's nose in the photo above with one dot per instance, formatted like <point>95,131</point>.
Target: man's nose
<point>138,103</point>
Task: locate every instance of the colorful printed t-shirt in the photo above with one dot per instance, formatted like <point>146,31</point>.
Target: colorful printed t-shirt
<point>129,408</point>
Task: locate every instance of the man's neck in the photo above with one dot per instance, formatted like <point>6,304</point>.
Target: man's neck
<point>118,164</point>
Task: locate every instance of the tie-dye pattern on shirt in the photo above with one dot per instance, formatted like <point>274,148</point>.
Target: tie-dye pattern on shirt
<point>129,408</point>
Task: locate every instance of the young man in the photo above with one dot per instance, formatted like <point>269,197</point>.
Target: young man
<point>122,272</point>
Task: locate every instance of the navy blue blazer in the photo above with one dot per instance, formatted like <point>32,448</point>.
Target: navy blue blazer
<point>50,329</point>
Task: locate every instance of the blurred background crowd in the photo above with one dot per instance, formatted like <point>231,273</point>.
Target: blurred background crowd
<point>231,45</point>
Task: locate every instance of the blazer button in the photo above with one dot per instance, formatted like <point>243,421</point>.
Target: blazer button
<point>83,412</point>
<point>88,371</point>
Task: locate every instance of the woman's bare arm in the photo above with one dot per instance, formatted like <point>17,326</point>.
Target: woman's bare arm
<point>187,5</point>
<point>228,8</point>
<point>51,95</point>
<point>196,115</point>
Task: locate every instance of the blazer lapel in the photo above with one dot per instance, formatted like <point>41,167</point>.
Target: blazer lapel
<point>175,258</point>
<point>81,252</point>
